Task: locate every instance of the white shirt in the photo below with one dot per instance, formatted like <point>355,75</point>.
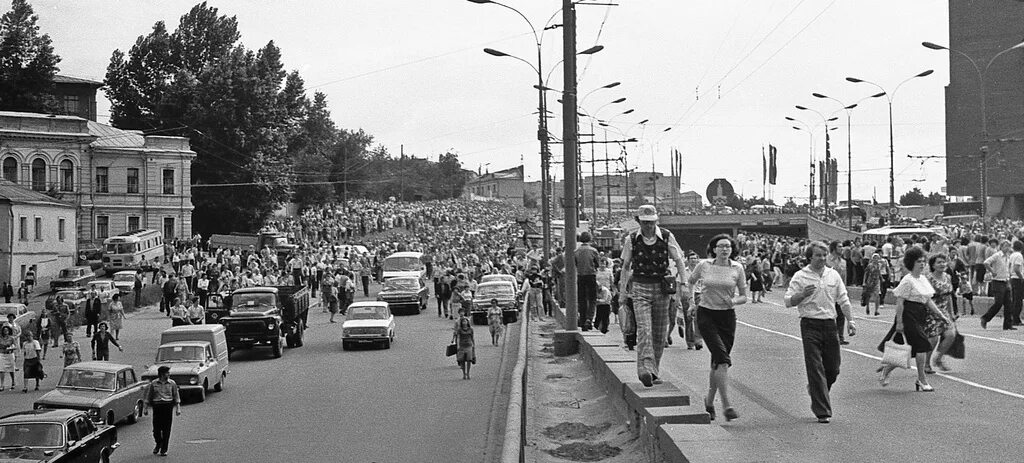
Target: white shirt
<point>914,289</point>
<point>822,303</point>
<point>1016,259</point>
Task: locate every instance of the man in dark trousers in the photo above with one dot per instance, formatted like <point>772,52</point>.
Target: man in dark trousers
<point>163,398</point>
<point>137,289</point>
<point>8,292</point>
<point>587,262</point>
<point>93,308</point>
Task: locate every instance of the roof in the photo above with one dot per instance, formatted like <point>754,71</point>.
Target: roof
<point>112,137</point>
<point>368,304</point>
<point>194,328</point>
<point>18,194</point>
<point>99,365</point>
<point>185,343</point>
<point>407,254</point>
<point>33,416</point>
<point>38,115</point>
<point>256,290</point>
<point>59,79</point>
<point>501,282</point>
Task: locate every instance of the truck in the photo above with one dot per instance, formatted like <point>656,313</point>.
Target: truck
<point>255,242</point>
<point>197,356</point>
<point>267,316</point>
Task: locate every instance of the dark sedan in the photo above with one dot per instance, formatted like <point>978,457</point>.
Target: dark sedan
<point>55,436</point>
<point>404,293</point>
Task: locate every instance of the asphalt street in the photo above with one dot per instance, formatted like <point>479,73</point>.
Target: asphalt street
<point>973,415</point>
<point>320,403</point>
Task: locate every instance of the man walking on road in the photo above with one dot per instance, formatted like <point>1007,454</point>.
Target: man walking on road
<point>163,398</point>
<point>646,255</point>
<point>587,262</point>
<point>998,265</point>
<point>816,290</point>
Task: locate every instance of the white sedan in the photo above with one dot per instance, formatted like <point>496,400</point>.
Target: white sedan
<point>368,322</point>
<point>124,281</point>
<point>105,289</point>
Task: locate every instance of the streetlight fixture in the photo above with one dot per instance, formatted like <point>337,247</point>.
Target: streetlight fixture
<point>849,151</point>
<point>890,96</point>
<point>982,73</point>
<point>810,151</point>
<point>824,120</point>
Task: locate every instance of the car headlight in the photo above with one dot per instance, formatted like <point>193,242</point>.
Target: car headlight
<point>271,326</point>
<point>193,380</point>
<point>346,332</point>
<point>94,413</point>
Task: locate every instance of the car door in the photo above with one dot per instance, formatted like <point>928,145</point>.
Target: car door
<point>76,447</point>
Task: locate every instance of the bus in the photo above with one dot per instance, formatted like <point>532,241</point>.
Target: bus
<point>134,250</point>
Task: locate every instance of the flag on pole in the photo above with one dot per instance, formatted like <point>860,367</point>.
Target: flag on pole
<point>822,181</point>
<point>764,168</point>
<point>773,167</point>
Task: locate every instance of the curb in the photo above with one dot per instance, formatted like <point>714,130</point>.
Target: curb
<point>515,422</point>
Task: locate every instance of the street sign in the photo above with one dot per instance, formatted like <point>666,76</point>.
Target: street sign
<point>720,192</point>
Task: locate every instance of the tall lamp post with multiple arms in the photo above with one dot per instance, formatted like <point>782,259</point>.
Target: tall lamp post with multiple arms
<point>542,124</point>
<point>982,73</point>
<point>810,151</point>
<point>849,150</point>
<point>825,121</point>
<point>890,96</point>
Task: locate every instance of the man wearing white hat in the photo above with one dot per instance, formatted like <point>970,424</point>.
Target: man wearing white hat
<point>645,265</point>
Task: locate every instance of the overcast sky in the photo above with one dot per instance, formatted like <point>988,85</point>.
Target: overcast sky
<point>413,73</point>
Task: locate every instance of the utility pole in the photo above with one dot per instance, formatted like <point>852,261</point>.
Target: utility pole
<point>607,179</point>
<point>654,182</point>
<point>593,180</point>
<point>569,152</point>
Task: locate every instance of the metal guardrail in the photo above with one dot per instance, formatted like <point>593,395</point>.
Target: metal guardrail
<point>515,422</point>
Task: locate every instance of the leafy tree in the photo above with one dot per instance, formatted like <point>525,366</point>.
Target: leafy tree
<point>936,199</point>
<point>27,61</point>
<point>913,197</point>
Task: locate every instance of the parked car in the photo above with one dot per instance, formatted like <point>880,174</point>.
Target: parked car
<point>499,277</point>
<point>409,294</point>
<point>108,392</point>
<point>55,436</point>
<point>124,281</point>
<point>22,316</point>
<point>368,322</point>
<point>197,356</point>
<point>91,257</point>
<point>75,297</point>
<point>72,277</point>
<point>504,292</point>
<point>105,289</point>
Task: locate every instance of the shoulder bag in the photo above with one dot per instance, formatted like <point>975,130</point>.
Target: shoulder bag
<point>897,354</point>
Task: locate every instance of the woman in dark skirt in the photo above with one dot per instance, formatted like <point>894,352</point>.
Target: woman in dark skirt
<point>30,352</point>
<point>913,304</point>
<point>463,337</point>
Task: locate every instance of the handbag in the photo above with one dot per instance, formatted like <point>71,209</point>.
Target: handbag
<point>450,350</point>
<point>897,354</point>
<point>956,350</point>
<point>668,284</point>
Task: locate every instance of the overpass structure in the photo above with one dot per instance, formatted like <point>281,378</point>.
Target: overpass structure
<point>694,231</point>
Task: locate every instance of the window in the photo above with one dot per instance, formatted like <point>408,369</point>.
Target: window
<point>60,229</point>
<point>102,226</point>
<point>39,228</point>
<point>23,228</point>
<point>71,104</point>
<point>11,169</point>
<point>169,226</point>
<point>102,180</point>
<point>133,223</point>
<point>133,182</point>
<point>39,175</point>
<point>168,181</point>
<point>67,176</point>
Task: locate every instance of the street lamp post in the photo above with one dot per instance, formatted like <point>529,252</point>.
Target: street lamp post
<point>810,151</point>
<point>892,170</point>
<point>825,121</point>
<point>982,73</point>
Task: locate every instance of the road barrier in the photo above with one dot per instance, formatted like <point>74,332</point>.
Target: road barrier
<point>515,422</point>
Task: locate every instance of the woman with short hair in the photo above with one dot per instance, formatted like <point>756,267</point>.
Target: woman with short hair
<point>940,332</point>
<point>725,286</point>
<point>8,344</point>
<point>463,339</point>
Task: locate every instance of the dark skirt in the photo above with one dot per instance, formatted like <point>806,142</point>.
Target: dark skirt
<point>33,369</point>
<point>914,321</point>
<point>718,327</point>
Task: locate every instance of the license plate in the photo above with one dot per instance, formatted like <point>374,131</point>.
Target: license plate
<point>245,339</point>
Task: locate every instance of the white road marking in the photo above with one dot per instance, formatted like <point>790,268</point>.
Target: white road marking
<point>875,357</point>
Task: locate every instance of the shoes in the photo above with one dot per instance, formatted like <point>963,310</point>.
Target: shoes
<point>929,371</point>
<point>163,454</point>
<point>24,390</point>
<point>698,347</point>
<point>669,340</point>
<point>876,313</point>
<point>883,377</point>
<point>646,379</point>
<point>37,388</point>
<point>730,414</point>
<point>823,419</point>
<point>1010,329</point>
<point>156,450</point>
<point>657,380</point>
<point>921,387</point>
<point>844,343</point>
<point>689,347</point>
<point>630,347</point>
<point>984,324</point>
<point>710,409</point>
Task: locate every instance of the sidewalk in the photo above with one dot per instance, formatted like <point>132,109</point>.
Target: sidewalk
<point>569,416</point>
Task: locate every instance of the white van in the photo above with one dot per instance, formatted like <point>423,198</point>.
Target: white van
<point>404,264</point>
<point>881,235</point>
<point>197,356</point>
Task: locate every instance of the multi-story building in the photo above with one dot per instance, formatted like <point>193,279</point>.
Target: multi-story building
<point>119,180</point>
<point>506,185</point>
<point>74,96</point>
<point>982,29</point>
<point>38,234</point>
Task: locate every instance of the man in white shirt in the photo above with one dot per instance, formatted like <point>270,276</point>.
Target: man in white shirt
<point>816,291</point>
<point>1017,280</point>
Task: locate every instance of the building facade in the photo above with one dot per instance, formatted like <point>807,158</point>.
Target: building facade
<point>75,97</point>
<point>506,185</point>
<point>118,180</point>
<point>38,234</point>
<point>982,29</point>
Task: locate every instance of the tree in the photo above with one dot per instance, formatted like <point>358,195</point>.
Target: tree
<point>913,197</point>
<point>936,199</point>
<point>27,61</point>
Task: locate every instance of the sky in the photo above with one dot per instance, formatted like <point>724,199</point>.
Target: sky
<point>715,80</point>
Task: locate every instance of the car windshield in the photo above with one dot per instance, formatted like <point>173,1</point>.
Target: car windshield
<point>367,313</point>
<point>124,277</point>
<point>402,264</point>
<point>71,295</point>
<point>122,248</point>
<point>489,291</point>
<point>87,379</point>
<point>99,286</point>
<point>401,284</point>
<point>69,273</point>
<point>255,301</point>
<point>31,435</point>
<point>180,354</point>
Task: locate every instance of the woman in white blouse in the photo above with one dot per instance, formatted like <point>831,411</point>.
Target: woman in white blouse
<point>913,303</point>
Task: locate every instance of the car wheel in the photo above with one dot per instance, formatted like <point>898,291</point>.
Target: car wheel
<point>201,395</point>
<point>111,420</point>
<point>136,414</point>
<point>345,346</point>
<point>387,343</point>
<point>220,384</point>
<point>277,349</point>
<point>300,329</point>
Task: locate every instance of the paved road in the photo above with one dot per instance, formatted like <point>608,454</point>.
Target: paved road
<point>319,403</point>
<point>973,416</point>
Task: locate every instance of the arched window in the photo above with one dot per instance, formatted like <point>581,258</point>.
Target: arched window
<point>67,176</point>
<point>39,175</point>
<point>10,169</point>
